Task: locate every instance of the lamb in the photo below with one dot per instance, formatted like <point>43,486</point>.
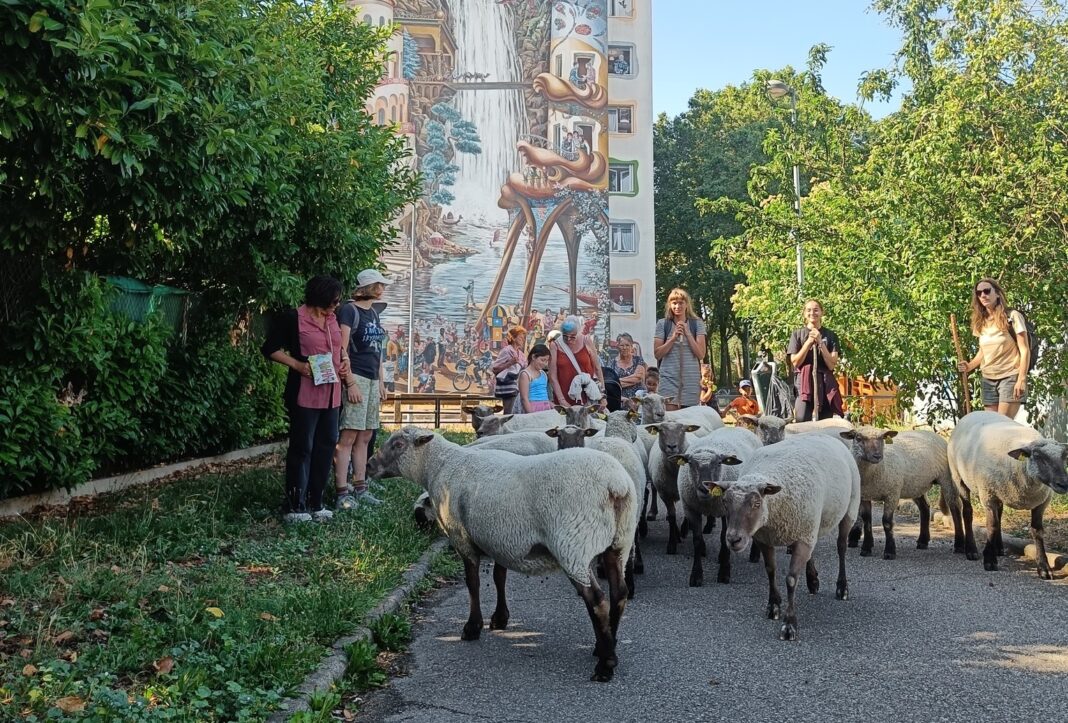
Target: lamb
<point>711,459</point>
<point>769,428</point>
<point>557,511</point>
<point>895,465</point>
<point>1006,463</point>
<point>671,440</point>
<point>783,496</point>
<point>570,437</point>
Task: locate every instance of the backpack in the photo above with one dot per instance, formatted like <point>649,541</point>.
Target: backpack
<point>1032,339</point>
<point>613,390</point>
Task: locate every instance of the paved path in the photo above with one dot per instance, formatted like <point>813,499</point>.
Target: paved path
<point>927,637</point>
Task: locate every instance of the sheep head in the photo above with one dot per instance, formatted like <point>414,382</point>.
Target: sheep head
<point>570,436</point>
<point>867,443</point>
<point>746,507</point>
<point>671,436</point>
<point>770,429</point>
<point>492,425</point>
<point>1045,461</point>
<point>706,469</point>
<point>401,455</point>
<point>479,412</point>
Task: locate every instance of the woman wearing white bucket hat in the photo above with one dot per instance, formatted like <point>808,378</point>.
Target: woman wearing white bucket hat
<point>364,338</point>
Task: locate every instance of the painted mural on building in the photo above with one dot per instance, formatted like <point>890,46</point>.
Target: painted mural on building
<point>504,103</point>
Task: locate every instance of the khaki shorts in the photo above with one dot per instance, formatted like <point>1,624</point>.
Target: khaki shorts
<point>1000,390</point>
<point>365,414</point>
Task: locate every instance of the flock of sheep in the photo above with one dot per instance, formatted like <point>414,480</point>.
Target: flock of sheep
<point>564,489</point>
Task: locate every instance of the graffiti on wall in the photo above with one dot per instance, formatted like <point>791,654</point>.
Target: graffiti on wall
<point>507,116</point>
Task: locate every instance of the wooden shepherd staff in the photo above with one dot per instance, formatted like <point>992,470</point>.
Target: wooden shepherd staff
<point>960,357</point>
<point>816,382</point>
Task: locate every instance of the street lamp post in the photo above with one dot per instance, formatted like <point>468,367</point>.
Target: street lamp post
<point>777,89</point>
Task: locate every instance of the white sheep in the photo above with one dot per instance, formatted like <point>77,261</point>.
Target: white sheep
<point>818,425</point>
<point>789,494</point>
<point>525,443</point>
<point>706,418</point>
<point>480,411</point>
<point>578,414</point>
<point>671,439</point>
<point>900,465</point>
<point>529,514</point>
<point>571,437</point>
<point>1006,463</point>
<point>621,423</point>
<point>710,459</point>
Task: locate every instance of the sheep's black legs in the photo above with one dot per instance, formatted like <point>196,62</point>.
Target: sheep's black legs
<point>890,546</point>
<point>854,533</point>
<point>697,572</point>
<point>473,626</point>
<point>798,563</point>
<point>925,522</point>
<point>1040,542</point>
<point>869,539</point>
<point>993,531</point>
<point>812,577</point>
<point>754,553</point>
<point>841,590</point>
<point>673,528</point>
<point>643,527</point>
<point>999,546</point>
<point>616,593</point>
<point>710,525</point>
<point>971,551</point>
<point>774,599</point>
<point>724,555</point>
<point>598,608</point>
<point>499,619</point>
<point>652,506</point>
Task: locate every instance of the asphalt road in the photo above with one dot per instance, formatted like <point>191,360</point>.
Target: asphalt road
<point>927,637</point>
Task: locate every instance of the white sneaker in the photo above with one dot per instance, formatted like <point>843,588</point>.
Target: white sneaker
<point>322,515</point>
<point>291,517</point>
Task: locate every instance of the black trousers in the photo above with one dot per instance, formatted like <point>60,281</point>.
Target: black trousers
<point>312,438</point>
<point>803,410</point>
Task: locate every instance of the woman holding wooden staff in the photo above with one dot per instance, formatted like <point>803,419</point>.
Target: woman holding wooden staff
<point>813,352</point>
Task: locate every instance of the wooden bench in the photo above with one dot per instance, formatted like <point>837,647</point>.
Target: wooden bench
<point>429,410</point>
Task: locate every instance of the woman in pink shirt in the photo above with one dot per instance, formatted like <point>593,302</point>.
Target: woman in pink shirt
<point>307,340</point>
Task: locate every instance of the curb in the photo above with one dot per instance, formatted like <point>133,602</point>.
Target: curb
<point>1016,545</point>
<point>17,506</point>
<point>333,667</point>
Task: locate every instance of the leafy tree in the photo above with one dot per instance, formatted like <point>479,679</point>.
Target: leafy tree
<point>438,173</point>
<point>968,179</point>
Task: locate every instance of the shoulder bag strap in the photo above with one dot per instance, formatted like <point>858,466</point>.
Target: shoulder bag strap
<point>571,356</point>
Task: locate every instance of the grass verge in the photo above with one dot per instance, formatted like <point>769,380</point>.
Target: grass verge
<point>188,601</point>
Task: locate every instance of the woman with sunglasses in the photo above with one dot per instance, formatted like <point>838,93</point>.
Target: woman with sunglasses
<point>1004,354</point>
<point>571,354</point>
<point>307,340</point>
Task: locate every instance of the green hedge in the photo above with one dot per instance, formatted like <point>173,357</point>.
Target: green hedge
<point>94,392</point>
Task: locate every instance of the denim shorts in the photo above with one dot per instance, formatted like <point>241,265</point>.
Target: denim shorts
<point>1000,390</point>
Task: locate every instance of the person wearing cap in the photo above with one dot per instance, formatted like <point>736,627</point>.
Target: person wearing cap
<point>573,358</point>
<point>364,338</point>
<point>746,403</point>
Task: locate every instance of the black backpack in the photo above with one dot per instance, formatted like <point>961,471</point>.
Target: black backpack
<point>613,390</point>
<point>1032,339</point>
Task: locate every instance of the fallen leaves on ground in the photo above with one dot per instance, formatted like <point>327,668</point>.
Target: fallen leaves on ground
<point>70,704</point>
<point>164,665</point>
<point>268,617</point>
<point>216,612</point>
<point>29,670</point>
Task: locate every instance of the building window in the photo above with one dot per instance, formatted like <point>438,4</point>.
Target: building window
<point>621,178</point>
<point>381,21</point>
<point>619,119</point>
<point>624,237</point>
<point>381,116</point>
<point>622,298</point>
<point>620,8</point>
<point>367,19</point>
<point>621,60</point>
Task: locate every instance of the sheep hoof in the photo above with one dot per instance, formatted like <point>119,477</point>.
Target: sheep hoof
<point>724,577</point>
<point>865,552</point>
<point>602,674</point>
<point>1044,573</point>
<point>498,622</point>
<point>696,580</point>
<point>842,593</point>
<point>922,545</point>
<point>788,632</point>
<point>773,611</point>
<point>472,631</point>
<point>889,555</point>
<point>990,565</point>
<point>972,555</point>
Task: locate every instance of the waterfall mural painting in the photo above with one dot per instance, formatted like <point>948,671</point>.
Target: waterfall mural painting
<point>507,116</point>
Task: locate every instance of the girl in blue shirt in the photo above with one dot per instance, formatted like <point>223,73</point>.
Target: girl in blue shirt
<point>534,382</point>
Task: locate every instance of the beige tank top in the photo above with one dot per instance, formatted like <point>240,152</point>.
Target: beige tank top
<point>1001,354</point>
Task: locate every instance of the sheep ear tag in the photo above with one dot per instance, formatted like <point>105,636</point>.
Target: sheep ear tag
<point>716,491</point>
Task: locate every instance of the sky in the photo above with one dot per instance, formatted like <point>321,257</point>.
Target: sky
<point>713,43</point>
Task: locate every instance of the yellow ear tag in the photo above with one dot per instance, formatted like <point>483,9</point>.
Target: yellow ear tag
<point>716,492</point>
